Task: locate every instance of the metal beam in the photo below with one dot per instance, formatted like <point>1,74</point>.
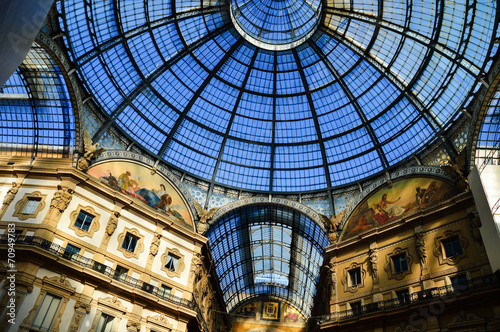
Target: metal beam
<point>355,104</point>
<point>315,118</point>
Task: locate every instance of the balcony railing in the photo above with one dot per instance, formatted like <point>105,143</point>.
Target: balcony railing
<point>99,267</point>
<point>444,293</point>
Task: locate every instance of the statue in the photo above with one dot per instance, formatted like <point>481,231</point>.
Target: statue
<point>420,246</point>
<point>196,267</point>
<point>205,216</point>
<point>332,277</point>
<point>90,151</point>
<point>112,223</point>
<point>458,171</point>
<point>475,224</point>
<point>61,200</point>
<point>9,197</point>
<point>155,244</point>
<point>374,262</point>
<point>332,224</point>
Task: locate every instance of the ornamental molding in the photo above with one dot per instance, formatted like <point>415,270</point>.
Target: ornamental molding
<point>94,225</point>
<point>160,320</point>
<point>113,303</point>
<point>304,209</point>
<point>139,247</point>
<point>424,171</point>
<point>19,206</point>
<point>389,265</point>
<point>180,263</point>
<point>60,283</point>
<point>154,166</point>
<point>440,253</point>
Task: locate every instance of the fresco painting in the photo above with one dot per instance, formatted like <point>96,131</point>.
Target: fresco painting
<point>137,182</point>
<point>390,204</point>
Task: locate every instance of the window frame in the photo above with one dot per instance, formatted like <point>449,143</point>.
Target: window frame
<point>94,225</point>
<point>54,314</point>
<point>174,252</point>
<point>139,245</point>
<point>19,206</point>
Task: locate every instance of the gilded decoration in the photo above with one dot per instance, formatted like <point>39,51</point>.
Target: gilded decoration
<point>389,265</point>
<point>439,250</point>
<point>180,262</point>
<point>94,226</point>
<point>19,207</point>
<point>139,247</point>
<point>388,204</point>
<point>205,216</point>
<point>346,281</point>
<point>90,151</point>
<point>153,190</point>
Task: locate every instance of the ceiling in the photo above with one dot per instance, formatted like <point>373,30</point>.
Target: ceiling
<point>300,97</point>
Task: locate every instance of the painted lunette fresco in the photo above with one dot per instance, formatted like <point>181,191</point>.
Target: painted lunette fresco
<point>390,204</point>
<point>137,182</point>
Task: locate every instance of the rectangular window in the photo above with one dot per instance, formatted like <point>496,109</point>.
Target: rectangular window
<point>31,205</point>
<point>84,220</point>
<point>105,323</point>
<point>164,291</point>
<point>71,252</point>
<point>129,242</point>
<point>399,263</point>
<point>459,282</point>
<point>355,276</point>
<point>120,273</point>
<point>46,312</point>
<point>172,262</point>
<point>356,308</point>
<point>452,247</point>
<point>403,296</point>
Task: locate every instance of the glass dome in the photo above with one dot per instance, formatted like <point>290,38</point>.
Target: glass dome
<point>374,84</point>
<point>275,24</point>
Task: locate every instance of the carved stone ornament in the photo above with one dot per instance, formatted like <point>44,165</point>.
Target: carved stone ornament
<point>60,283</point>
<point>405,327</point>
<point>113,303</point>
<point>474,225</point>
<point>75,323</point>
<point>155,244</point>
<point>421,250</point>
<point>81,305</point>
<point>133,325</point>
<point>196,267</point>
<point>9,197</point>
<point>61,199</point>
<point>464,320</point>
<point>374,262</point>
<point>159,320</point>
<point>112,223</point>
